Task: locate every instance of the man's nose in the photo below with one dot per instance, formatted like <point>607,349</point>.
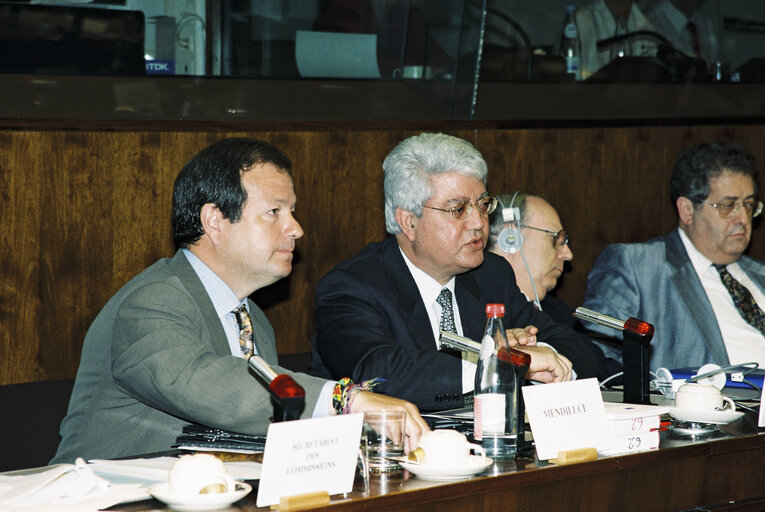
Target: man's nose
<point>475,219</point>
<point>742,216</point>
<point>293,229</point>
<point>565,253</point>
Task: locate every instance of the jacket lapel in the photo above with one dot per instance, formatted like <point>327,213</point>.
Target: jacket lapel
<point>188,277</point>
<point>691,292</point>
<point>408,295</point>
<point>472,314</point>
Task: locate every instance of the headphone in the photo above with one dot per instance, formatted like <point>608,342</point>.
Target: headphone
<point>509,238</point>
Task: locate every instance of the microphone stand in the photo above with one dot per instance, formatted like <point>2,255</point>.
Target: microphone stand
<point>521,32</point>
<point>287,395</point>
<point>637,336</point>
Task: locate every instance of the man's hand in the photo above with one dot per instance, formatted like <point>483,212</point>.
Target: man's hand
<point>547,365</point>
<point>524,337</point>
<point>415,425</point>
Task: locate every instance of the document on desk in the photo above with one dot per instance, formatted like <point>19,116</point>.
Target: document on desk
<point>157,469</point>
<point>64,488</point>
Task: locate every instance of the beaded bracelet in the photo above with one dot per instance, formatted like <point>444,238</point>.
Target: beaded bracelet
<point>345,393</point>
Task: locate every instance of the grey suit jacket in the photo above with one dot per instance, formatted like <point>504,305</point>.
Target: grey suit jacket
<point>655,281</point>
<point>156,358</point>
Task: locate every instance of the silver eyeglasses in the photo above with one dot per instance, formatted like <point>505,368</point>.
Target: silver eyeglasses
<point>559,238</point>
<point>730,207</point>
<point>460,211</point>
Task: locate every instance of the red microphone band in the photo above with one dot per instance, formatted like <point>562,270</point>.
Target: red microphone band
<point>638,327</point>
<point>284,386</point>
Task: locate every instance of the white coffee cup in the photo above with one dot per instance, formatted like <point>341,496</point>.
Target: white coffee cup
<point>200,473</point>
<point>702,397</point>
<point>448,448</point>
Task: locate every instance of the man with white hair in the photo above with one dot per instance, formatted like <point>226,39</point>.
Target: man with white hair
<point>379,313</point>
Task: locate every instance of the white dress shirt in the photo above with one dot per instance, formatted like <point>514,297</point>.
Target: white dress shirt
<point>595,22</point>
<point>429,290</point>
<point>743,342</point>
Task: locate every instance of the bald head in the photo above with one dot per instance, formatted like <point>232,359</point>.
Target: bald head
<point>545,255</point>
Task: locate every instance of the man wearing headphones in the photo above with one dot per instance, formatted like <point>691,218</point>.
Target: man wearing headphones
<point>527,232</point>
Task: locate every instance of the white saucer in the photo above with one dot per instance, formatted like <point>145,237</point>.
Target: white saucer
<point>713,417</point>
<point>200,501</point>
<point>442,474</point>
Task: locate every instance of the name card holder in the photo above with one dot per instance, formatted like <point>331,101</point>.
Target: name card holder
<point>305,459</point>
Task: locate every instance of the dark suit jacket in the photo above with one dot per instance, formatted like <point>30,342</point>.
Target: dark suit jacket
<point>156,358</point>
<point>371,322</point>
<point>655,282</point>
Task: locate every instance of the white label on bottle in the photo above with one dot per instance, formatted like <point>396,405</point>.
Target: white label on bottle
<point>489,409</point>
<point>572,64</point>
<point>569,30</point>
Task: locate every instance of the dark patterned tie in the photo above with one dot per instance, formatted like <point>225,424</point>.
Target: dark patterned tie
<point>447,311</point>
<point>245,330</point>
<point>743,300</point>
<point>444,300</point>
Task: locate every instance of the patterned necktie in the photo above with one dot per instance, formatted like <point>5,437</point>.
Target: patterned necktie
<point>447,311</point>
<point>743,300</point>
<point>245,330</point>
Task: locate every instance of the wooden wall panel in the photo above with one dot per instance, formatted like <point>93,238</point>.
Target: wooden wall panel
<point>85,210</point>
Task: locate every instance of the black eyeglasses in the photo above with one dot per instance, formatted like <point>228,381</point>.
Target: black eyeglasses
<point>730,207</point>
<point>460,211</point>
<point>559,238</point>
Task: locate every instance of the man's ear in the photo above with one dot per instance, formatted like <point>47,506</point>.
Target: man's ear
<point>407,221</point>
<point>685,210</point>
<point>211,218</point>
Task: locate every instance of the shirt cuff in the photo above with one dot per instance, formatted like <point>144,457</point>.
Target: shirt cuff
<point>324,402</point>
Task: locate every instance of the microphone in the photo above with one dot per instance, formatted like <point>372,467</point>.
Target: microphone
<point>507,355</point>
<point>638,34</point>
<point>633,325</point>
<point>637,335</point>
<point>288,395</point>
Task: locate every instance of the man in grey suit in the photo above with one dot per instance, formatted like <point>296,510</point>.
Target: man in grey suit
<point>680,282</point>
<point>165,350</point>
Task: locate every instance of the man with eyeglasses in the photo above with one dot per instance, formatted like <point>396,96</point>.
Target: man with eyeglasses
<point>533,241</point>
<point>703,296</point>
<point>378,314</point>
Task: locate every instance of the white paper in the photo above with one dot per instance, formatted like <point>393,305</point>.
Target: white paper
<point>761,420</point>
<point>566,416</point>
<point>303,456</point>
<point>157,469</point>
<point>336,55</point>
<point>63,487</point>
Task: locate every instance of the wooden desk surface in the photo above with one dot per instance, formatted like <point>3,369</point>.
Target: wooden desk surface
<point>726,472</point>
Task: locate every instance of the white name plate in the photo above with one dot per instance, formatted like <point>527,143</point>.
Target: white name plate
<point>303,456</point>
<point>566,416</point>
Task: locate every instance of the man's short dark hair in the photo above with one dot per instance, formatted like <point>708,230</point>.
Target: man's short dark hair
<point>214,175</point>
<point>697,165</point>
